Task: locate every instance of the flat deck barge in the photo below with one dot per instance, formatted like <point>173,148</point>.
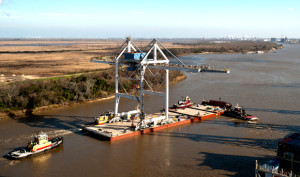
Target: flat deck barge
<point>121,130</point>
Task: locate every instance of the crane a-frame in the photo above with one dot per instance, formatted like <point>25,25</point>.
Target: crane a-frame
<point>138,61</point>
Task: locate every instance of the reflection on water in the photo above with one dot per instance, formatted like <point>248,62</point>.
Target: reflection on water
<point>42,160</point>
<point>288,86</point>
<point>216,162</point>
<point>14,162</point>
<point>280,111</point>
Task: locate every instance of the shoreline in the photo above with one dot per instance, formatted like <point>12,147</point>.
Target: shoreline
<point>28,112</point>
<point>13,77</point>
<point>232,52</point>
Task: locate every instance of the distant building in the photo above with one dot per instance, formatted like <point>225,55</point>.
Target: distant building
<point>293,41</point>
<point>283,40</point>
<point>273,39</point>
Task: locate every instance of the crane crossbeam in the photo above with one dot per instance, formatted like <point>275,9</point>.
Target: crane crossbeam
<point>193,69</point>
<point>179,67</point>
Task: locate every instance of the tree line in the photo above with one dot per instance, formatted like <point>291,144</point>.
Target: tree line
<point>30,94</point>
<point>236,47</point>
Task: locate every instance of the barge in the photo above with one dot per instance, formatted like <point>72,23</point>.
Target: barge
<point>154,122</point>
<point>237,111</point>
<point>223,104</point>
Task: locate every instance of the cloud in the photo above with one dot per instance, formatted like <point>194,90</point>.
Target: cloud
<point>287,8</point>
<point>4,13</point>
<point>53,14</point>
<point>0,2</point>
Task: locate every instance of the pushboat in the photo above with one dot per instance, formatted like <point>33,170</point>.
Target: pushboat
<point>240,113</point>
<point>102,119</point>
<point>185,103</point>
<point>41,143</point>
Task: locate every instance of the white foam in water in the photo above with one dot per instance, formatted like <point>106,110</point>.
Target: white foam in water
<point>51,134</point>
<point>55,133</point>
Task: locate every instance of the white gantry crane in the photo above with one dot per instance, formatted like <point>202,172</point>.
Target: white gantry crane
<point>137,61</point>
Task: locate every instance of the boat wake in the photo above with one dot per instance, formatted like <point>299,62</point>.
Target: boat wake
<point>53,133</point>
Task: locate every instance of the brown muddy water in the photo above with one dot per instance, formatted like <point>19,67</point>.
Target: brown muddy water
<point>268,85</point>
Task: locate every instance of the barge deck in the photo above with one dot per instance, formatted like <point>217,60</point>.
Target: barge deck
<point>121,130</point>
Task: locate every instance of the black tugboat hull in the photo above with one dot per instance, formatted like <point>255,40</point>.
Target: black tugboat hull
<point>246,117</point>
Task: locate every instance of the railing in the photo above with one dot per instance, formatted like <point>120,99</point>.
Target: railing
<point>271,171</point>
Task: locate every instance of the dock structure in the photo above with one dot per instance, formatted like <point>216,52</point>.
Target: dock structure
<point>131,64</point>
<point>121,130</point>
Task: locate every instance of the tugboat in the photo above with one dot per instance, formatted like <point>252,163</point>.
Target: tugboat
<point>240,113</point>
<point>183,103</point>
<point>102,119</point>
<point>40,144</point>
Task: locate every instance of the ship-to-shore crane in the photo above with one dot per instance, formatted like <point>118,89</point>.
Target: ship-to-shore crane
<point>138,61</point>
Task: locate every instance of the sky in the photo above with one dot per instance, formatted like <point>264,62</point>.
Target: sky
<point>148,19</point>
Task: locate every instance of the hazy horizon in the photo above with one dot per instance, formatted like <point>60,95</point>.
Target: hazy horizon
<point>136,38</point>
<point>158,19</point>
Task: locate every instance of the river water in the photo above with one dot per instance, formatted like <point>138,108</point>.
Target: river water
<point>268,85</point>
